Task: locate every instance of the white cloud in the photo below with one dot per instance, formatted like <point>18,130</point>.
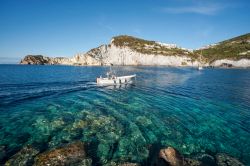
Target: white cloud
<point>205,9</point>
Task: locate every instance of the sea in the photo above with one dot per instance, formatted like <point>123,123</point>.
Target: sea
<point>196,112</point>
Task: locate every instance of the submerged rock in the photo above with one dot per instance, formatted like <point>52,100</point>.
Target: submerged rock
<point>2,153</point>
<point>42,130</point>
<point>57,124</point>
<point>24,157</point>
<point>121,164</point>
<point>225,160</point>
<point>192,162</point>
<point>85,162</point>
<point>171,156</point>
<point>206,159</point>
<point>133,146</point>
<point>79,124</point>
<point>69,155</point>
<point>144,121</point>
<point>129,164</point>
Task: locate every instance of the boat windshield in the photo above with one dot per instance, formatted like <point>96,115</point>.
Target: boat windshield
<point>110,75</point>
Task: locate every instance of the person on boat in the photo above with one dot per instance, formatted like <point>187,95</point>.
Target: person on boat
<point>108,75</point>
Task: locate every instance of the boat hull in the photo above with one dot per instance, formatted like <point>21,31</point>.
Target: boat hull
<point>116,81</point>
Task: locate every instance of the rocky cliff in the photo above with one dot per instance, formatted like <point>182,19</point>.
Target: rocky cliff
<point>43,60</point>
<point>128,50</point>
<point>233,52</point>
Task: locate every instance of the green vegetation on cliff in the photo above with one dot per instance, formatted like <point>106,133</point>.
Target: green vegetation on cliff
<point>235,49</point>
<point>150,47</point>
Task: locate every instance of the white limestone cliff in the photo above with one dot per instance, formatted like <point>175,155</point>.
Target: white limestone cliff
<point>111,54</point>
<point>234,63</point>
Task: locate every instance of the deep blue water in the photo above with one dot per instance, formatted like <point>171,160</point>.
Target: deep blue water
<point>194,111</point>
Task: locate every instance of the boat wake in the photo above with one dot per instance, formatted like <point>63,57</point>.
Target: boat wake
<point>25,92</point>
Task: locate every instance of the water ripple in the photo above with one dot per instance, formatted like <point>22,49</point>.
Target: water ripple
<point>195,112</point>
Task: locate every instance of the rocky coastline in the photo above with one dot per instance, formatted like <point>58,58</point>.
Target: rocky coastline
<point>43,60</point>
<point>127,50</point>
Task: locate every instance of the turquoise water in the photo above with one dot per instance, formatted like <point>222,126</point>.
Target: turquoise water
<point>194,111</point>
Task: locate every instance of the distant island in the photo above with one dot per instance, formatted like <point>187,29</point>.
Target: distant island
<point>128,50</point>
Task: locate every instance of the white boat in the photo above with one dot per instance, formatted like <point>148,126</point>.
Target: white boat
<point>113,80</point>
<point>200,68</point>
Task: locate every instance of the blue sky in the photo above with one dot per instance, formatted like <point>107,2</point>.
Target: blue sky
<point>66,27</point>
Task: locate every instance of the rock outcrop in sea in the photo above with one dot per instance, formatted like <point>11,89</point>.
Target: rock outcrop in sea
<point>128,50</point>
<point>172,157</point>
<point>225,160</point>
<point>43,60</point>
<point>75,154</point>
<point>72,154</point>
<point>24,157</point>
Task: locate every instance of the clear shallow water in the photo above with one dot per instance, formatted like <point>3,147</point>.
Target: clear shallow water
<point>194,111</point>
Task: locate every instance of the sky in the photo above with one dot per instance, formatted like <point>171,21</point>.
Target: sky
<point>66,27</point>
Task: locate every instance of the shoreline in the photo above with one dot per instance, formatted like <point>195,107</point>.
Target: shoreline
<point>205,67</point>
